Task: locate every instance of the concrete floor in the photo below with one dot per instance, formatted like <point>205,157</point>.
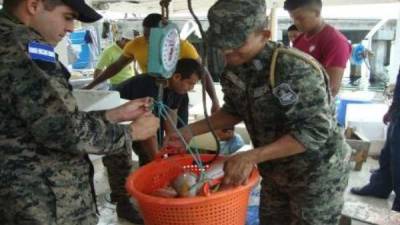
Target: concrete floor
<point>373,210</point>
<point>361,208</point>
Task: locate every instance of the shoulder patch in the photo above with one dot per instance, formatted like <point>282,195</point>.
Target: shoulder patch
<point>41,51</point>
<point>285,94</point>
<point>307,58</point>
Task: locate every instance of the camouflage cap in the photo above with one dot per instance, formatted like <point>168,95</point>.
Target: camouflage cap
<point>231,21</point>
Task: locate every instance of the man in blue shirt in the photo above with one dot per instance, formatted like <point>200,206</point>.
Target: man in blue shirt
<point>387,178</point>
<point>230,141</point>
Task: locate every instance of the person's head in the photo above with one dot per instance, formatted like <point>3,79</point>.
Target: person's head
<point>136,33</point>
<point>150,21</point>
<point>306,14</point>
<point>238,28</point>
<point>52,19</point>
<point>187,73</point>
<point>293,33</point>
<point>226,133</point>
<point>126,37</point>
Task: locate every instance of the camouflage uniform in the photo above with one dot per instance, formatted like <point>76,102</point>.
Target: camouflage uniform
<point>118,167</point>
<point>44,139</point>
<point>275,98</point>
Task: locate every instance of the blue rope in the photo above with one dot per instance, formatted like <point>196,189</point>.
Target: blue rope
<point>163,113</point>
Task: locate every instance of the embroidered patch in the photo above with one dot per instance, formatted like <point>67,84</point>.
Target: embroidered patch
<point>285,94</point>
<point>40,51</point>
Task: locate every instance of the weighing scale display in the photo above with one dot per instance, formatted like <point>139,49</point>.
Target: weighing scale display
<point>164,51</point>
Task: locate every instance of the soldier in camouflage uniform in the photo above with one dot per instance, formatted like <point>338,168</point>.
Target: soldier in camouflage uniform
<point>282,96</point>
<point>44,139</point>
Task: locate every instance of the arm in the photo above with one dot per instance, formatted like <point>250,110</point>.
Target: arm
<point>396,95</point>
<point>395,103</point>
<point>189,51</point>
<point>103,63</point>
<point>96,73</point>
<point>210,89</point>
<point>111,70</point>
<point>336,53</point>
<point>219,120</point>
<point>335,79</point>
<point>309,120</point>
<point>52,119</point>
<point>169,128</point>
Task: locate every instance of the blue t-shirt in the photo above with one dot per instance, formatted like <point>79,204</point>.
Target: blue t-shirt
<point>232,145</point>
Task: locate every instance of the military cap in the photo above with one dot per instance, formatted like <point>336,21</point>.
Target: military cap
<point>231,21</point>
<point>85,13</point>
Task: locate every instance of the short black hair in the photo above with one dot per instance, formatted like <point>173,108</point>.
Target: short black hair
<point>152,20</point>
<point>292,28</point>
<point>228,129</point>
<point>290,5</point>
<point>186,67</point>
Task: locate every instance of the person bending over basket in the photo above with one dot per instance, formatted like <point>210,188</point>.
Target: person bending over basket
<point>283,97</point>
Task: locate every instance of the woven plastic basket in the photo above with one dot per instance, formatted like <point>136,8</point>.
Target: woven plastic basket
<point>228,207</point>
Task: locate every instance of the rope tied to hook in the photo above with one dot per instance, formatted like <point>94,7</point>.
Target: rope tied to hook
<point>165,10</point>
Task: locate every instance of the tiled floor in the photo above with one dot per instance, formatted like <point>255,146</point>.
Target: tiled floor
<point>363,207</point>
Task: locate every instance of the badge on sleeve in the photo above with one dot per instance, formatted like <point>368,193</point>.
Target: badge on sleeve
<point>285,94</point>
<point>41,51</point>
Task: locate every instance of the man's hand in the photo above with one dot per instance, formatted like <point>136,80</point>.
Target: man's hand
<point>387,118</point>
<point>144,127</point>
<point>173,141</point>
<point>130,110</point>
<point>237,169</point>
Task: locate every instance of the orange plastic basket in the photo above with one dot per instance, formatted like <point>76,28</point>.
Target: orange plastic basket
<point>228,207</point>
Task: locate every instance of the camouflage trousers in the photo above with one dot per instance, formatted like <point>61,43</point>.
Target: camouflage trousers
<point>285,201</point>
<point>119,167</point>
<point>32,199</point>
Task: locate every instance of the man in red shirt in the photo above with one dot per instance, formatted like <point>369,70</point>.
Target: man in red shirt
<point>322,41</point>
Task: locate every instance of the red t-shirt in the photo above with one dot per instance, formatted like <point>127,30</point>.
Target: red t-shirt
<point>329,47</point>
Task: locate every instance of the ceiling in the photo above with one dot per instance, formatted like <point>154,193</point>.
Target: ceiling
<point>178,7</point>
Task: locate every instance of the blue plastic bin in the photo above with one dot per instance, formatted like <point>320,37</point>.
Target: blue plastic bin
<point>341,109</point>
<point>81,38</point>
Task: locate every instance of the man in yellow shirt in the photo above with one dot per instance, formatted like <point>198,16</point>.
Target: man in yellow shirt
<point>110,55</point>
<point>137,49</point>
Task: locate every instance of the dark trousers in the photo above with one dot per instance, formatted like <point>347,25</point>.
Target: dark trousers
<point>387,177</point>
